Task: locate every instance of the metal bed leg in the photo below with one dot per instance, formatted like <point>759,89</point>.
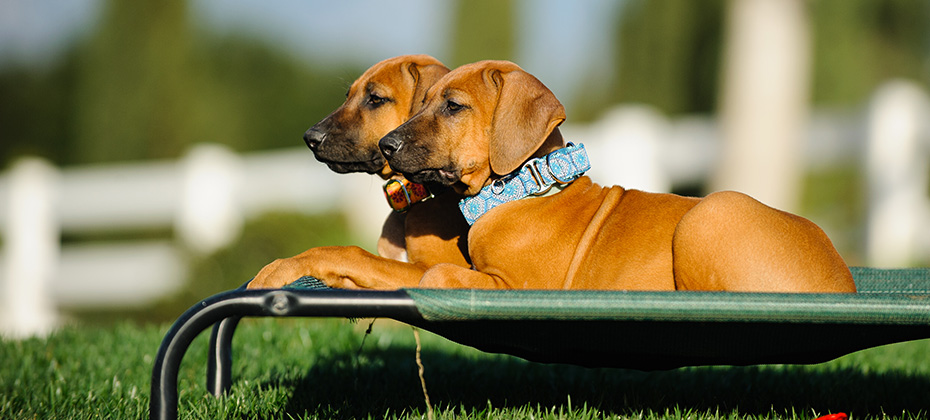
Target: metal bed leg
<point>164,389</point>
<point>225,309</point>
<point>219,362</point>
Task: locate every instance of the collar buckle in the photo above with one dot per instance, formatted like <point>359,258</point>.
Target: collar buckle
<point>541,185</point>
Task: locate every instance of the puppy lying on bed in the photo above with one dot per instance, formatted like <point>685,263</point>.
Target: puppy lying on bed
<point>382,98</point>
<point>489,130</point>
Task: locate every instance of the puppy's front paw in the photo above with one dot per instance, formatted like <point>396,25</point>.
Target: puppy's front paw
<point>328,264</point>
<point>276,275</point>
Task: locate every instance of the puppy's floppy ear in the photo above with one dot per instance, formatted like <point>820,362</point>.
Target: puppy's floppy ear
<point>424,74</point>
<point>527,112</point>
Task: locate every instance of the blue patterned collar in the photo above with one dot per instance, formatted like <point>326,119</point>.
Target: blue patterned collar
<point>535,178</point>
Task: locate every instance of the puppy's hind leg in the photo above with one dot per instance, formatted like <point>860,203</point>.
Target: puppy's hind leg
<point>729,241</point>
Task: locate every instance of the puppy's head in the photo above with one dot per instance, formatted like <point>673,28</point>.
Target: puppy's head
<point>380,100</point>
<point>478,122</point>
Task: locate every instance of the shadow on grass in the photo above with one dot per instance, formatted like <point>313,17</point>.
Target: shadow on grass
<point>381,383</point>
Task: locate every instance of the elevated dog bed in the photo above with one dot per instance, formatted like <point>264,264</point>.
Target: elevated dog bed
<point>639,330</point>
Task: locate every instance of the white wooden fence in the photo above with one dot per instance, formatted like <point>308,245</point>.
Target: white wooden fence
<point>205,197</point>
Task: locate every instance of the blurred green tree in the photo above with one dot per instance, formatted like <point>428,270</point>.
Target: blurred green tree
<point>148,83</point>
<point>256,97</point>
<point>860,43</point>
<point>669,54</point>
<point>483,30</point>
<point>132,93</point>
<point>35,111</point>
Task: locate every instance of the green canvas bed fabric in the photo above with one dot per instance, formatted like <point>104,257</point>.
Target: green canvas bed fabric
<point>662,330</point>
<point>879,300</point>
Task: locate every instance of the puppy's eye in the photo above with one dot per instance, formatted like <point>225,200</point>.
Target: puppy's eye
<point>453,107</point>
<point>375,101</point>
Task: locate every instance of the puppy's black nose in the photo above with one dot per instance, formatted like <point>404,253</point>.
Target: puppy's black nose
<point>313,138</point>
<point>389,145</point>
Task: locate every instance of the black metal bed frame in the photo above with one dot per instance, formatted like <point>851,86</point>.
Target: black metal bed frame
<point>223,311</point>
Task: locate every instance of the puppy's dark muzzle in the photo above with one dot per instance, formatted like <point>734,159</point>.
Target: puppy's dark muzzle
<point>314,138</point>
<point>389,145</point>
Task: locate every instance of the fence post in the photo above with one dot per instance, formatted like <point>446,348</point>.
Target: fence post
<point>627,146</point>
<point>764,107</point>
<point>31,248</point>
<point>210,214</point>
<point>896,161</point>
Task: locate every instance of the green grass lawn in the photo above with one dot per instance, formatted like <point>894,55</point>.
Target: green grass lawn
<point>302,368</point>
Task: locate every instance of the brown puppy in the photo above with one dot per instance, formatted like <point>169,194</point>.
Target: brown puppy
<point>485,120</point>
<point>382,98</point>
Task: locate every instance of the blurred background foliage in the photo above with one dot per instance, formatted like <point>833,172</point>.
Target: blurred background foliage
<point>143,86</point>
<point>860,43</point>
<point>148,82</point>
<point>674,69</point>
<point>484,30</point>
<point>857,44</point>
